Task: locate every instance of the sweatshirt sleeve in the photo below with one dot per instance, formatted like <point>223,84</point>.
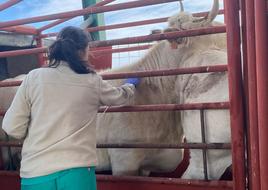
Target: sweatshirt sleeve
<point>113,96</point>
<point>17,117</point>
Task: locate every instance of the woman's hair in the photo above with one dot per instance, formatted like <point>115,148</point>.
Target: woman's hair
<point>69,42</point>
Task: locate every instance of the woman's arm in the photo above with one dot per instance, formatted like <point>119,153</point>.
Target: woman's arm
<point>110,95</point>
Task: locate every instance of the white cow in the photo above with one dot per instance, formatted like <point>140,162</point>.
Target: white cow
<point>197,88</point>
<point>146,127</point>
<point>194,88</point>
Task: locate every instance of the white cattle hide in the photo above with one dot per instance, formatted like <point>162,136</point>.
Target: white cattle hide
<point>199,88</point>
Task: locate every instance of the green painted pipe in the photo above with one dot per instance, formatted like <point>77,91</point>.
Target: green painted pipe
<point>98,20</point>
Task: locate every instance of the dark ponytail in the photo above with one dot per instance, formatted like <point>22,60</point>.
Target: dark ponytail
<point>69,42</point>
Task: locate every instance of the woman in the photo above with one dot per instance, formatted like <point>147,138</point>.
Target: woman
<point>55,111</point>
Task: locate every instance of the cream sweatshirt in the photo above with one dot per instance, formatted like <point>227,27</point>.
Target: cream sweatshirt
<point>55,111</point>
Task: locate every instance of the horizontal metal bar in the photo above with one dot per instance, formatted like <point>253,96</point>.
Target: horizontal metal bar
<point>147,38</point>
<point>28,30</point>
<point>143,145</point>
<point>11,143</point>
<point>8,4</point>
<point>167,146</point>
<point>92,10</point>
<point>162,36</point>
<point>119,50</point>
<point>129,24</point>
<point>115,26</point>
<point>10,84</point>
<point>160,107</point>
<point>139,23</point>
<point>165,107</point>
<point>163,72</point>
<point>23,52</point>
<point>136,182</point>
<point>50,25</point>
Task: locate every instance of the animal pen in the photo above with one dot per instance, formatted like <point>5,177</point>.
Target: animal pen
<point>248,91</point>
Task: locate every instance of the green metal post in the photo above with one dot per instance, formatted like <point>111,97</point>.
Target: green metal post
<point>98,20</point>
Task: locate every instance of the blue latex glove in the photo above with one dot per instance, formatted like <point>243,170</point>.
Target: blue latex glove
<point>134,81</point>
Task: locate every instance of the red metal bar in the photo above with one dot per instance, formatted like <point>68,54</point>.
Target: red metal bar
<point>235,93</point>
<point>23,52</point>
<point>162,36</point>
<point>118,50</point>
<point>129,24</point>
<point>245,81</point>
<point>11,143</point>
<point>144,183</point>
<point>166,72</point>
<point>21,30</point>
<point>139,23</point>
<point>216,146</point>
<point>170,35</point>
<point>163,72</point>
<point>10,84</point>
<point>108,182</point>
<point>40,56</point>
<point>261,30</point>
<point>8,4</point>
<point>92,10</point>
<point>254,167</point>
<point>160,107</point>
<point>55,23</point>
<point>165,107</point>
<point>102,3</point>
<point>126,25</point>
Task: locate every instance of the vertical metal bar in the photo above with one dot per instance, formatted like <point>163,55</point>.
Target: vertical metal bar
<point>40,56</point>
<point>235,93</point>
<point>245,77</point>
<point>254,167</point>
<point>204,151</point>
<point>261,30</point>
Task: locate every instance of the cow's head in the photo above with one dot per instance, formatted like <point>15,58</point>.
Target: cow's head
<point>186,21</point>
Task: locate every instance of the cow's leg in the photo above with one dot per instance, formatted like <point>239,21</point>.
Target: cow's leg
<point>195,168</point>
<point>126,162</point>
<point>217,162</point>
<point>104,163</point>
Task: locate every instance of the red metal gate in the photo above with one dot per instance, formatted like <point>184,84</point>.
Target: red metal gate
<point>255,84</point>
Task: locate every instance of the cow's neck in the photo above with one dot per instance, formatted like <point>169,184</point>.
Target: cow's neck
<point>159,57</point>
